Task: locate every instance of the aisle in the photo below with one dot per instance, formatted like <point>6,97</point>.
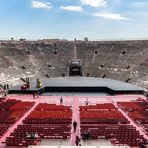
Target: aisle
<point>75,117</point>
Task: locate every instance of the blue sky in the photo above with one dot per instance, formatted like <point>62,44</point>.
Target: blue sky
<point>69,19</point>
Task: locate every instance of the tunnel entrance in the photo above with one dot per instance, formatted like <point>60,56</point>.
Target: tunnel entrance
<point>75,68</point>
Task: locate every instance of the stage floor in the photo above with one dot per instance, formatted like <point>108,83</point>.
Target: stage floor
<point>80,84</point>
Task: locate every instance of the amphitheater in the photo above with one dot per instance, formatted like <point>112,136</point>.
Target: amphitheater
<point>121,60</point>
<point>108,99</point>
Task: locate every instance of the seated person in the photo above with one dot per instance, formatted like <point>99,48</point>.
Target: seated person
<point>86,135</point>
<point>31,135</point>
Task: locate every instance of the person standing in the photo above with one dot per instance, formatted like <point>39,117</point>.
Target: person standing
<point>7,86</point>
<point>77,141</point>
<point>86,102</point>
<point>74,126</point>
<point>34,95</point>
<point>61,100</point>
<point>38,94</point>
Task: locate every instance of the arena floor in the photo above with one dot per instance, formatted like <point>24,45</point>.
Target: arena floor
<point>74,102</point>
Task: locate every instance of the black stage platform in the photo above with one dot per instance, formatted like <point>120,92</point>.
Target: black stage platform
<point>80,84</point>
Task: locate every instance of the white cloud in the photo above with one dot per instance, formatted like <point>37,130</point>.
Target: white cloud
<point>140,4</point>
<point>94,3</point>
<point>41,5</point>
<point>111,16</point>
<point>72,8</point>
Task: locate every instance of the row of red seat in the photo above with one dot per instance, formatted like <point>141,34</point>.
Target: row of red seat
<point>43,132</point>
<point>129,106</point>
<point>101,114</point>
<point>45,106</point>
<point>110,130</point>
<point>109,124</point>
<point>2,99</point>
<point>105,106</point>
<point>3,128</point>
<point>50,114</point>
<point>6,105</point>
<point>22,106</point>
<point>104,121</point>
<point>10,141</point>
<point>139,112</point>
<point>137,115</point>
<point>146,127</point>
<point>47,121</point>
<point>9,115</point>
